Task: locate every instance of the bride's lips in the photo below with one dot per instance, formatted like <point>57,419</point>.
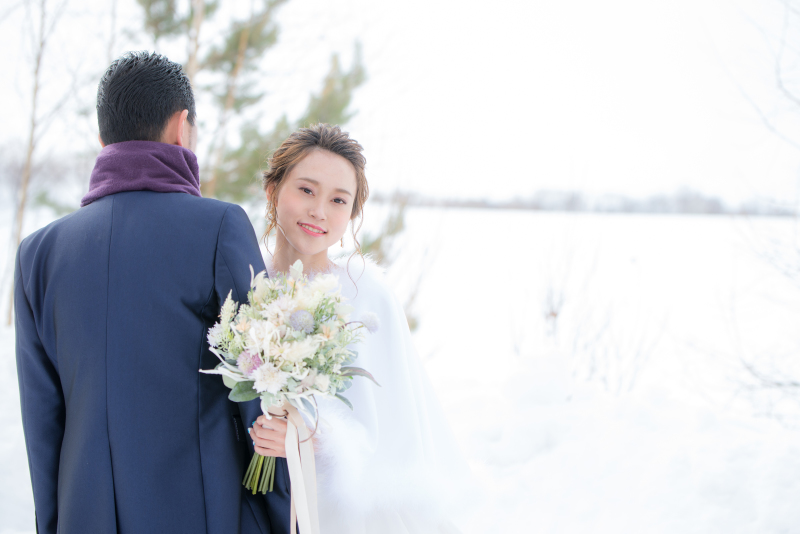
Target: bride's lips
<point>311,232</point>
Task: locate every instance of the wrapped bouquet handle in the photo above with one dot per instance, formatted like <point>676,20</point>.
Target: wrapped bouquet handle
<point>302,471</point>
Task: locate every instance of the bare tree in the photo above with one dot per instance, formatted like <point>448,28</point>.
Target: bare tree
<point>198,15</point>
<point>112,33</point>
<point>42,19</point>
<point>785,70</point>
<point>782,254</point>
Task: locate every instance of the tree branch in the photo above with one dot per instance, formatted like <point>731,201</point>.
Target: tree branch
<point>7,13</point>
<point>779,60</point>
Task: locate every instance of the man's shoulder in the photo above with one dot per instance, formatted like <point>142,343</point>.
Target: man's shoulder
<point>92,217</point>
<point>51,230</point>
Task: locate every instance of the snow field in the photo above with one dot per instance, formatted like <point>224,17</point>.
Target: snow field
<point>629,412</point>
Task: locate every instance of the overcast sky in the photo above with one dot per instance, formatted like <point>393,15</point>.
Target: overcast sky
<point>503,98</point>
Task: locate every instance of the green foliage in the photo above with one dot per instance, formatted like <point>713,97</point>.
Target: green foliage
<point>240,173</point>
<point>344,400</point>
<point>357,371</point>
<point>331,103</point>
<point>243,392</point>
<point>161,17</point>
<point>238,58</point>
<point>379,245</point>
<point>309,407</point>
<point>43,198</point>
<point>252,38</point>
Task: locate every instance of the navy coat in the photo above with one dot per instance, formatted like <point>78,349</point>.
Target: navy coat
<point>113,303</point>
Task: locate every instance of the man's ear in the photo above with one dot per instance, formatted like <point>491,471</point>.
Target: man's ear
<point>183,131</point>
<point>173,133</point>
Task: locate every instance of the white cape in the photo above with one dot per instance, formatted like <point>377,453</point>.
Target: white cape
<point>391,465</point>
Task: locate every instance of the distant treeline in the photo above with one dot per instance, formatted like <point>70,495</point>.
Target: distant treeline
<point>681,202</point>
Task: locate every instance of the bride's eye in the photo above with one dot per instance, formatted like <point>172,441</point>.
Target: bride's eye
<point>306,190</point>
<point>340,200</point>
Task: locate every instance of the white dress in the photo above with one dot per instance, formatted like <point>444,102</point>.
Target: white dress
<point>390,465</point>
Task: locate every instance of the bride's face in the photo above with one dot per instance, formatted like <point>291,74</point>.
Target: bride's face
<point>315,202</point>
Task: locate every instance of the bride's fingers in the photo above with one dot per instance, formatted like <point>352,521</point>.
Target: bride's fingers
<point>267,438</point>
<point>268,446</point>
<point>276,423</point>
<point>274,430</point>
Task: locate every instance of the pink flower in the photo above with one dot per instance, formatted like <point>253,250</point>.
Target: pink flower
<point>248,362</point>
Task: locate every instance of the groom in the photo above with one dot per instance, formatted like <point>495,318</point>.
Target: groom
<point>113,303</point>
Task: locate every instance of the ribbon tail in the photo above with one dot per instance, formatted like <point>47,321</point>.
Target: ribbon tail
<point>302,471</point>
<point>309,470</point>
<point>299,474</point>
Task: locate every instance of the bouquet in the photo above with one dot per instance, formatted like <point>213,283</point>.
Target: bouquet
<point>286,345</point>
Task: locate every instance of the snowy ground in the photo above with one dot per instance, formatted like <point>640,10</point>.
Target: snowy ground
<point>591,366</point>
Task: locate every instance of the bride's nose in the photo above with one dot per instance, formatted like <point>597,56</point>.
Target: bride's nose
<point>317,210</point>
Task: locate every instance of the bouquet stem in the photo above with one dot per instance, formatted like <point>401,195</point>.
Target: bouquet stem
<point>260,475</point>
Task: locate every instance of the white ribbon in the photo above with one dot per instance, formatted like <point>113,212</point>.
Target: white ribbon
<point>302,471</point>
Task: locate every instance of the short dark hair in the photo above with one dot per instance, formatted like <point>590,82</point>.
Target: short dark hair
<point>138,94</point>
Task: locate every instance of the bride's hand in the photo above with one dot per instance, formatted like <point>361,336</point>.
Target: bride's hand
<point>269,436</point>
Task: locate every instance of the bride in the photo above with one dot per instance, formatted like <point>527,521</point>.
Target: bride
<point>389,465</point>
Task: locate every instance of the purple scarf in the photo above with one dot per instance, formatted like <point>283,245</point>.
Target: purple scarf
<point>143,166</point>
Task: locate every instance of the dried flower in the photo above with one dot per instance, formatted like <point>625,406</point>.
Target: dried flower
<point>269,378</point>
<point>248,362</point>
<point>214,334</point>
<point>371,321</point>
<point>302,321</point>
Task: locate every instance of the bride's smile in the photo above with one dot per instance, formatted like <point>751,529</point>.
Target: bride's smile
<point>312,230</point>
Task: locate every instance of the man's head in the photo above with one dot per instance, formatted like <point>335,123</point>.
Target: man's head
<point>145,97</point>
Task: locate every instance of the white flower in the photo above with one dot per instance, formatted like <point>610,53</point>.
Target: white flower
<point>328,331</point>
<point>305,299</point>
<point>284,303</point>
<point>269,378</point>
<point>300,373</point>
<point>214,334</point>
<point>273,313</point>
<point>371,321</point>
<point>343,311</point>
<point>260,336</point>
<point>260,285</point>
<point>298,351</point>
<point>228,310</point>
<point>324,282</point>
<point>296,270</point>
<point>308,381</point>
<point>278,350</point>
<point>322,382</point>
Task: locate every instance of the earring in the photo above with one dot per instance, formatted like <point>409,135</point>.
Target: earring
<point>342,241</point>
